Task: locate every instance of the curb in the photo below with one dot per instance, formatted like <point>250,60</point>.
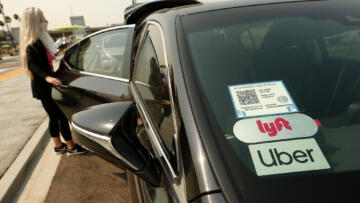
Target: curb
<point>13,179</point>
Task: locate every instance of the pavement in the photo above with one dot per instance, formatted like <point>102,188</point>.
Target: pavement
<point>74,179</point>
<point>9,63</point>
<point>20,114</point>
<point>29,169</point>
<point>89,179</point>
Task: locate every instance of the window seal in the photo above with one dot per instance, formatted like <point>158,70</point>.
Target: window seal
<point>95,74</point>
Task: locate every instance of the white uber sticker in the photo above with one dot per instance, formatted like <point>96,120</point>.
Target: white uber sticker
<point>258,99</point>
<point>287,157</point>
<point>272,128</point>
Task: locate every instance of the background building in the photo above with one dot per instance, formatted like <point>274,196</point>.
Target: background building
<point>16,34</point>
<point>77,20</point>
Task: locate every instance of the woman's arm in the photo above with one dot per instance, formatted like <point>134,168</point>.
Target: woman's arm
<point>52,80</point>
<point>33,60</point>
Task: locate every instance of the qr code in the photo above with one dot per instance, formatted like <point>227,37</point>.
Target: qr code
<point>247,97</point>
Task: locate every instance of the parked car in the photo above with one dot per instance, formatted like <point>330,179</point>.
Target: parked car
<point>239,101</point>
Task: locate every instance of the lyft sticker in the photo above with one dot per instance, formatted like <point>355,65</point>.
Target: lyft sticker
<point>287,157</point>
<point>258,99</point>
<point>272,128</point>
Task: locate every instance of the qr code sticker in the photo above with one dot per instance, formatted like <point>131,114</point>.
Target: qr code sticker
<point>247,97</point>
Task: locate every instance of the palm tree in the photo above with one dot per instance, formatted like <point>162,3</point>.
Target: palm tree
<point>7,19</point>
<point>16,17</point>
<point>2,24</point>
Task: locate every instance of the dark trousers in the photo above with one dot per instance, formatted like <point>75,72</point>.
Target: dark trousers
<point>58,122</point>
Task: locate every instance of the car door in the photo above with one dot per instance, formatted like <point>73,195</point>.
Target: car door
<point>95,70</point>
<point>152,90</point>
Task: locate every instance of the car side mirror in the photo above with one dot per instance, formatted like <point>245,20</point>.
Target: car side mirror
<point>109,130</point>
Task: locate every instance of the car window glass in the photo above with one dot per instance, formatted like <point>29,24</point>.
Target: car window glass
<point>313,55</point>
<point>70,56</point>
<point>251,36</point>
<point>151,82</point>
<point>342,45</point>
<point>105,53</point>
<point>277,49</point>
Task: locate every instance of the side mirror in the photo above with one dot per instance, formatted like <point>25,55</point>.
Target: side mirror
<point>109,130</point>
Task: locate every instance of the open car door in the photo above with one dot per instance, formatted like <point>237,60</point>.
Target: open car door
<point>95,70</point>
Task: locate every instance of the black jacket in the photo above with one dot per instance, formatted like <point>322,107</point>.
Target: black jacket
<point>38,64</point>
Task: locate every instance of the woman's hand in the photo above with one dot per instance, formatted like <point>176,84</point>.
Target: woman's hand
<point>53,80</point>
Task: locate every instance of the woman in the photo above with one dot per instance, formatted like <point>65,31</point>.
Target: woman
<point>37,51</point>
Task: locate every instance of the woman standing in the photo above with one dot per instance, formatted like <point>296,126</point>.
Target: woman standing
<point>37,52</point>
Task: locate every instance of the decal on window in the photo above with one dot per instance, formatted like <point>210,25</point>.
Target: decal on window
<point>258,99</point>
<point>287,157</point>
<point>272,128</point>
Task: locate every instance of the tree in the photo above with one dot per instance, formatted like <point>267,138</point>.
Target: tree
<point>7,19</point>
<point>2,24</point>
<point>16,17</point>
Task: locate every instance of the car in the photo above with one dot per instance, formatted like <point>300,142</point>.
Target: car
<point>233,101</point>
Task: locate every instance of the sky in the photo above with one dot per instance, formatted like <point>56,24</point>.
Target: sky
<point>96,12</point>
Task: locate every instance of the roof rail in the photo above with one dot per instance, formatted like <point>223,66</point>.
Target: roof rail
<point>135,13</point>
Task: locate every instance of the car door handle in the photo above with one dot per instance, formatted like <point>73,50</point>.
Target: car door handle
<point>64,86</point>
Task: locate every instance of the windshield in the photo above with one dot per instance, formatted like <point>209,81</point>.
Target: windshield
<point>283,85</point>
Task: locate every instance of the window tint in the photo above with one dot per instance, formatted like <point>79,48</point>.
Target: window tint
<point>306,54</point>
<point>344,45</point>
<point>70,56</point>
<point>315,54</point>
<point>105,53</point>
<point>252,36</point>
<point>152,82</point>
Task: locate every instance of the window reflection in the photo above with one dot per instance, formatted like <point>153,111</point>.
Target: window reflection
<point>152,83</point>
<point>105,53</point>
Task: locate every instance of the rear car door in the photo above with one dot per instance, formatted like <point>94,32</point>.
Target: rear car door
<point>95,70</point>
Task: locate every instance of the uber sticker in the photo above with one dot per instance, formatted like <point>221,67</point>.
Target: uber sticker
<point>287,156</point>
<point>270,128</point>
<point>265,98</point>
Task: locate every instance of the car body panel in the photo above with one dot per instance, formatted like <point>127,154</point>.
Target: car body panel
<point>80,90</point>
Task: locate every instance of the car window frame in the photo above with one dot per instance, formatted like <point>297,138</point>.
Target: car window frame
<point>131,27</point>
<point>155,137</point>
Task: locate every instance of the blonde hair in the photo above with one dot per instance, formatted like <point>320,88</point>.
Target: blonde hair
<point>31,30</point>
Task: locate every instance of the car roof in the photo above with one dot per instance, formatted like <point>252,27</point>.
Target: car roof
<point>136,13</point>
<point>207,6</point>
